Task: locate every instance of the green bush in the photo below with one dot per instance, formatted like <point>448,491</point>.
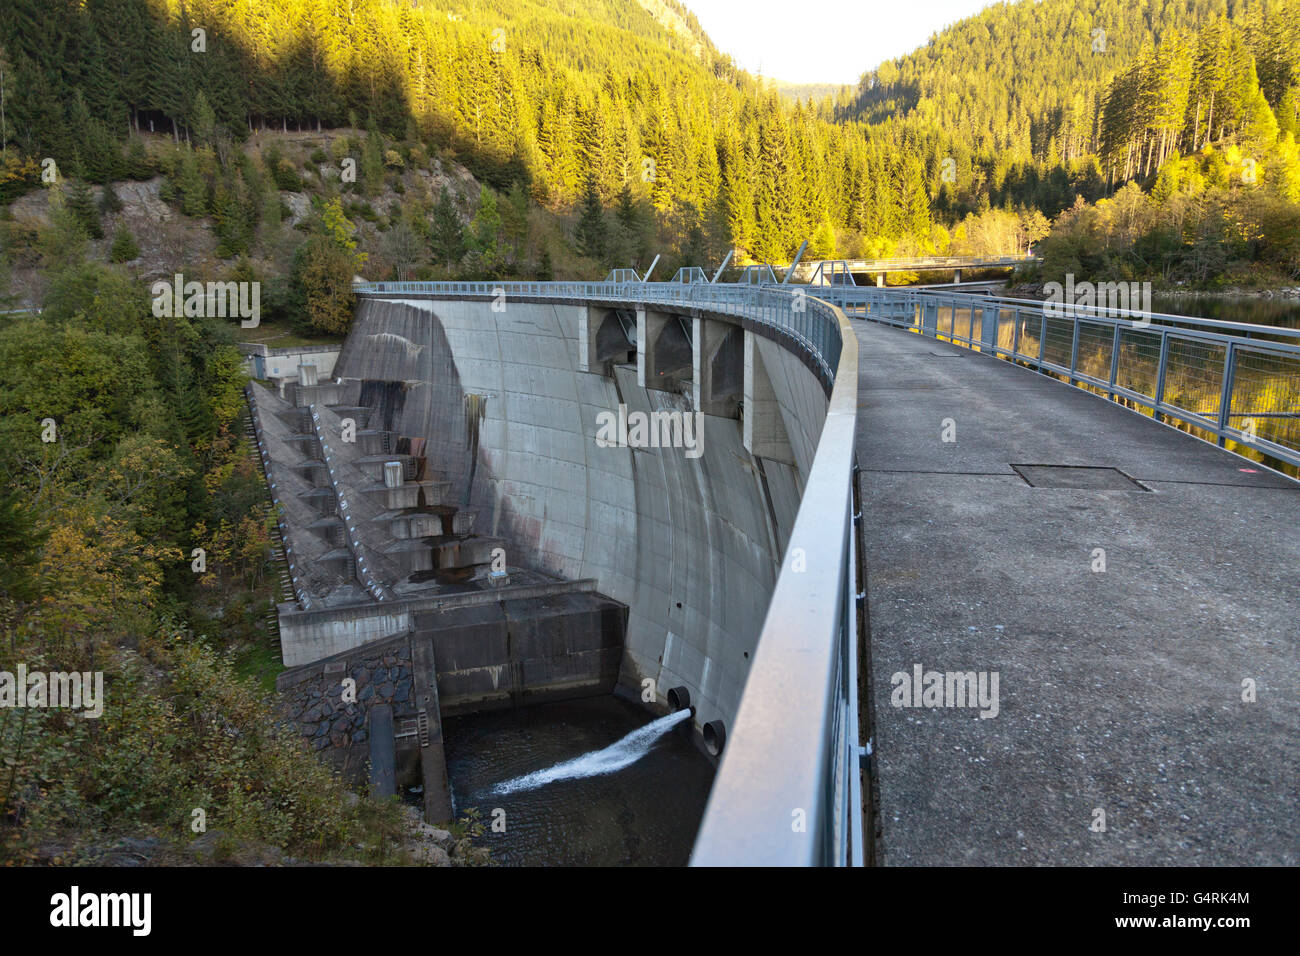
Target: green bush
<point>124,248</point>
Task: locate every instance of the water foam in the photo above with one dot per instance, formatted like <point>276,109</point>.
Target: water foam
<point>613,758</point>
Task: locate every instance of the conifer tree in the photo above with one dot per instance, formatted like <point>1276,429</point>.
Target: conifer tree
<point>592,232</point>
<point>124,248</point>
<point>485,232</point>
<point>447,235</point>
<point>81,205</point>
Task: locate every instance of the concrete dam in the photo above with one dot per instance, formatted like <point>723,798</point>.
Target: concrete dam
<point>797,514</point>
<point>494,501</point>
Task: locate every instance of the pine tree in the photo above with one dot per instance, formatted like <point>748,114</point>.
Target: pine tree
<point>545,270</point>
<point>21,539</point>
<point>82,206</point>
<point>109,202</point>
<point>485,232</point>
<point>191,186</point>
<point>592,232</point>
<point>204,120</point>
<point>514,221</point>
<point>446,234</point>
<point>124,248</point>
<point>370,171</point>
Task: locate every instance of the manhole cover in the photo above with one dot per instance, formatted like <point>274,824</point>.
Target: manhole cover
<point>1078,476</point>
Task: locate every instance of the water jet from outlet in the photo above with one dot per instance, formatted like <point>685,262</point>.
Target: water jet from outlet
<point>613,758</point>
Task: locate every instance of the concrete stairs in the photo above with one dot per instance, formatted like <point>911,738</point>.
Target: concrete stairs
<point>404,514</point>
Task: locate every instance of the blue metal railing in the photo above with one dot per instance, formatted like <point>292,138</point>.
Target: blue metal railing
<point>791,312</point>
<point>788,790</point>
<point>1239,383</point>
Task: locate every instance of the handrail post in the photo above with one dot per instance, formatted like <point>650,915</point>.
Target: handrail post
<point>1042,338</point>
<point>1159,396</point>
<point>1225,394</point>
<point>1074,352</point>
<point>1116,344</point>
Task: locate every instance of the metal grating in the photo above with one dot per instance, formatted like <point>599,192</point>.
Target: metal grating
<point>1087,477</point>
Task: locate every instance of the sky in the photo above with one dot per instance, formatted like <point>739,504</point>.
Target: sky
<point>824,41</point>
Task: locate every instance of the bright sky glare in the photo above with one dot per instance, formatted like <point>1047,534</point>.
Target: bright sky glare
<point>824,41</point>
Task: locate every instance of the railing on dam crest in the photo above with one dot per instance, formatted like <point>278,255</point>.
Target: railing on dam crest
<point>1233,381</point>
<point>789,310</point>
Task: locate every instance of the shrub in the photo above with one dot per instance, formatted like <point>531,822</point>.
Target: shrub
<point>124,248</point>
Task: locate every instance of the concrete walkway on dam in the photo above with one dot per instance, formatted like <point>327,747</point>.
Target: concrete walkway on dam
<point>1120,691</point>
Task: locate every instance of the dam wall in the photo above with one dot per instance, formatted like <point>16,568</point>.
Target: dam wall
<point>690,540</point>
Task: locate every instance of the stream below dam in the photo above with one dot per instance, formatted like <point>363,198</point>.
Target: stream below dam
<point>643,814</point>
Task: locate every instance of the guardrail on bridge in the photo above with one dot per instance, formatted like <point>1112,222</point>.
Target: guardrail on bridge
<point>1234,381</point>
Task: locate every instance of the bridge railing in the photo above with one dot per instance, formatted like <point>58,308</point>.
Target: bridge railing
<point>925,263</point>
<point>921,263</point>
<point>790,312</point>
<point>787,791</point>
<point>1239,383</point>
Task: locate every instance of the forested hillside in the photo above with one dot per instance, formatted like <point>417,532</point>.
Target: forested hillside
<point>1017,96</point>
<point>1030,78</point>
<point>1058,104</point>
<point>1226,80</point>
<point>616,103</point>
<point>559,97</point>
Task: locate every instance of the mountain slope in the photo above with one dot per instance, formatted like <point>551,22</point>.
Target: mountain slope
<point>624,99</point>
<point>1029,77</point>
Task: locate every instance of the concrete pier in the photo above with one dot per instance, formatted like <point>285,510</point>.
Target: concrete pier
<point>383,750</point>
<point>1127,614</point>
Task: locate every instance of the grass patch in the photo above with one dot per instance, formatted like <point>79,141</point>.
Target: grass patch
<point>260,663</point>
<point>283,337</point>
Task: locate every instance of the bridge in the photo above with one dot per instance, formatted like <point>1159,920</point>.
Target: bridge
<point>954,485</point>
<point>1132,584</point>
<point>845,271</point>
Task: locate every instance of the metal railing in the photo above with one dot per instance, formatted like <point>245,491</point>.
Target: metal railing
<point>927,263</point>
<point>787,791</point>
<point>790,312</point>
<point>1237,382</point>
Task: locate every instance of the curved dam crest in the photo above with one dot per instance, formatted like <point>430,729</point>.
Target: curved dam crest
<point>691,545</point>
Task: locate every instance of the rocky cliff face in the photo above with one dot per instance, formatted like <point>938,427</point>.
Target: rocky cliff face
<point>171,242</point>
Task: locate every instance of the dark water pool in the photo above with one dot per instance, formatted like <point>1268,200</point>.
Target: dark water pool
<point>644,815</point>
<point>1284,313</point>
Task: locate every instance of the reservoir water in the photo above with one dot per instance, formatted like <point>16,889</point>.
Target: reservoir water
<point>643,811</point>
<point>1284,313</point>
